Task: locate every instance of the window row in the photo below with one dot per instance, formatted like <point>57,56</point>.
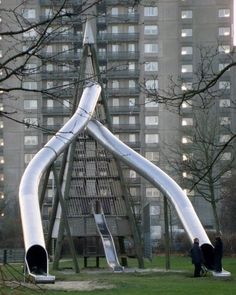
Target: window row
<point>222,31</point>
<point>222,13</point>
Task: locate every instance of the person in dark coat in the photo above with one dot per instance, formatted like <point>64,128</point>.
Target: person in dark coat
<point>218,254</point>
<point>196,255</point>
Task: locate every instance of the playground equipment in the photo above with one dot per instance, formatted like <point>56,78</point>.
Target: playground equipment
<point>36,257</point>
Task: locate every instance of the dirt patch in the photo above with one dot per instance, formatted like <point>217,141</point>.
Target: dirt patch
<point>76,285</point>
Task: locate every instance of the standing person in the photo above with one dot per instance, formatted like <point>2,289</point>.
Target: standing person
<point>196,255</point>
<point>218,254</point>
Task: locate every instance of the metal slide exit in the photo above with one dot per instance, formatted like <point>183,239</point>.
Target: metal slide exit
<point>108,242</point>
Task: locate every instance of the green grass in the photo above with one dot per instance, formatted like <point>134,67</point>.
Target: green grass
<point>178,280</point>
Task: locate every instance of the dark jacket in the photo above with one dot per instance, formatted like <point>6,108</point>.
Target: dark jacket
<point>196,254</point>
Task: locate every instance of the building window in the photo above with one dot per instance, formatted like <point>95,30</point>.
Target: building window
<point>151,84</point>
<point>222,66</point>
<point>225,121</point>
<point>224,31</point>
<point>50,121</point>
<point>49,67</point>
<point>186,14</point>
<point>150,103</point>
<point>132,84</point>
<point>132,120</point>
<point>131,10</point>
<point>152,192</point>
<point>187,122</point>
<point>151,138</point>
<point>31,140</point>
<point>30,104</point>
<point>31,122</point>
<point>131,102</point>
<point>186,139</point>
<point>115,120</point>
<point>28,158</point>
<point>151,120</point>
<point>224,103</point>
<point>114,47</point>
<point>186,33</point>
<point>186,104</point>
<point>115,84</point>
<point>131,47</point>
<point>132,138</point>
<point>66,103</point>
<point>30,33</point>
<point>115,102</point>
<point>224,49</point>
<point>187,175</point>
<point>30,85</point>
<point>50,103</point>
<point>151,48</point>
<point>224,12</point>
<point>224,138</point>
<point>1,142</point>
<point>186,68</point>
<point>31,68</point>
<point>224,85</point>
<point>226,156</point>
<point>2,161</point>
<point>114,11</point>
<point>152,156</point>
<point>151,30</point>
<point>49,84</point>
<point>187,86</point>
<point>132,174</point>
<point>131,29</point>
<point>150,11</point>
<point>151,66</point>
<point>187,50</point>
<point>29,13</point>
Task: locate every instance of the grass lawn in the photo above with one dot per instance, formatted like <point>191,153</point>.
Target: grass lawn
<point>178,280</point>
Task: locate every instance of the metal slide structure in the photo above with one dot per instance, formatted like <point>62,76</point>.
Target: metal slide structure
<point>107,241</point>
<point>36,256</point>
<point>164,183</point>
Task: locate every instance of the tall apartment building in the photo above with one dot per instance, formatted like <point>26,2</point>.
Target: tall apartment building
<point>139,48</point>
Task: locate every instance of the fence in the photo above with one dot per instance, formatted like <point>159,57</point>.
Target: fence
<point>11,255</point>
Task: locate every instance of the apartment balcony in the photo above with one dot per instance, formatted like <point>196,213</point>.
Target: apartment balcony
<point>118,37</point>
<point>61,56</point>
<point>53,128</point>
<point>124,110</point>
<point>56,111</point>
<point>59,75</point>
<point>63,38</point>
<point>60,2</point>
<point>133,144</point>
<point>118,19</point>
<point>119,2</point>
<point>63,19</point>
<point>126,127</point>
<point>59,93</point>
<point>115,74</point>
<point>123,91</point>
<point>120,55</point>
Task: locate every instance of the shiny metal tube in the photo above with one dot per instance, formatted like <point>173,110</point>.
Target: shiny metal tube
<point>155,176</point>
<point>28,191</point>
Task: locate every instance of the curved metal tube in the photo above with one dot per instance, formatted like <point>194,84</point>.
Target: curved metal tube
<point>36,255</point>
<point>160,180</point>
